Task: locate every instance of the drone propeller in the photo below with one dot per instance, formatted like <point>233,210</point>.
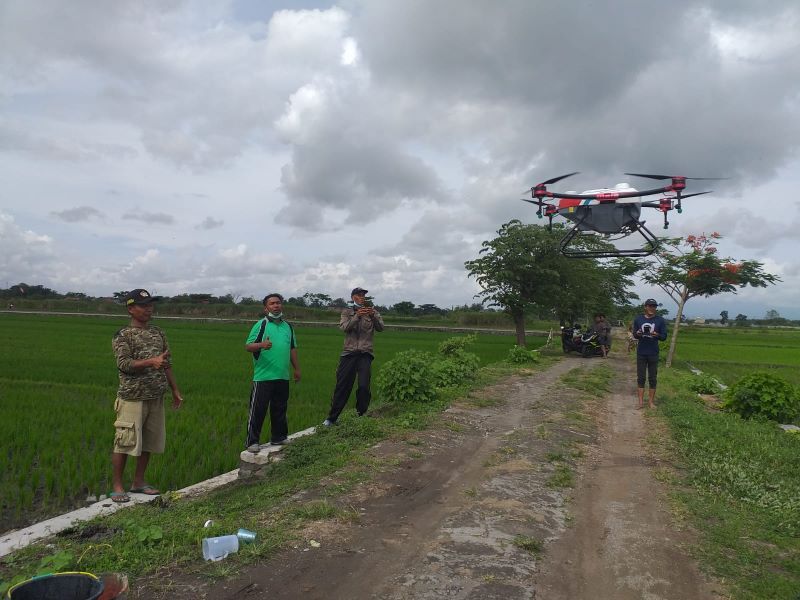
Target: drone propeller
<point>553,180</point>
<point>684,196</point>
<point>675,177</point>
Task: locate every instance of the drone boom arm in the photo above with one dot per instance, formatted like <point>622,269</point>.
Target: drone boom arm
<point>609,196</point>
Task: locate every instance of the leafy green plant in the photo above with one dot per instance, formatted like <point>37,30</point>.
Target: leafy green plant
<point>705,384</point>
<point>408,377</point>
<point>520,355</point>
<point>455,368</point>
<point>763,395</point>
<point>454,345</point>
<point>145,534</point>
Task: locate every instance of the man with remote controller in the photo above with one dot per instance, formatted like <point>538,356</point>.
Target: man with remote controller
<point>649,329</point>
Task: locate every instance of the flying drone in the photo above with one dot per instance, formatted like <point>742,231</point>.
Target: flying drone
<point>611,212</point>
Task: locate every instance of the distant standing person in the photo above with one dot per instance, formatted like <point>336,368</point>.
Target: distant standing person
<point>145,371</point>
<point>274,348</point>
<point>649,329</point>
<point>603,330</point>
<point>359,325</point>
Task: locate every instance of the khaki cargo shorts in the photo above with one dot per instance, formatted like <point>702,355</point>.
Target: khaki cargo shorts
<point>140,427</point>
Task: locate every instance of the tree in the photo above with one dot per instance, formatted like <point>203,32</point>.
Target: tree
<point>741,319</point>
<point>523,268</point>
<point>429,309</point>
<point>404,307</point>
<point>339,303</point>
<point>296,301</point>
<point>723,317</point>
<point>689,267</point>
<point>317,299</point>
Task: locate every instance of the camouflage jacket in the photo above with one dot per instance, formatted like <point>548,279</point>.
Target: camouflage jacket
<point>359,331</point>
<point>137,343</point>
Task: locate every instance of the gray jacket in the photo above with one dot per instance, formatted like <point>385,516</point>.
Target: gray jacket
<point>359,331</point>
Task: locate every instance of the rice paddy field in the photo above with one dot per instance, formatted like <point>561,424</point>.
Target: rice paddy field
<point>58,382</point>
<point>732,352</point>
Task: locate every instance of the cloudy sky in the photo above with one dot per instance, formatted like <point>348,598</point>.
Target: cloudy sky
<point>242,146</point>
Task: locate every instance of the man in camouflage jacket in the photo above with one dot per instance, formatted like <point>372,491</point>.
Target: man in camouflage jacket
<point>145,371</point>
<point>359,325</point>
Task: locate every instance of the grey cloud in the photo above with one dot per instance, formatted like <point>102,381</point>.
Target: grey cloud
<point>363,178</point>
<point>210,223</point>
<point>151,218</point>
<point>78,214</point>
<point>569,87</point>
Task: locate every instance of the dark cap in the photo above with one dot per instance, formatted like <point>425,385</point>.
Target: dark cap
<point>358,290</point>
<point>650,302</point>
<point>139,296</point>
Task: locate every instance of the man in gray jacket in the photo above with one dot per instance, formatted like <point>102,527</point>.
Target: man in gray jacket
<point>359,324</point>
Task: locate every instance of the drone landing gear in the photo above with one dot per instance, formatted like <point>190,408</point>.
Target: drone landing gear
<point>646,250</point>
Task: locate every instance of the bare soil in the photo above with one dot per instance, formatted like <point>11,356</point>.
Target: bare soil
<point>529,489</point>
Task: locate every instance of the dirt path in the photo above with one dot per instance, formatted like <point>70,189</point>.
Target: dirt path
<point>621,545</point>
<point>481,508</point>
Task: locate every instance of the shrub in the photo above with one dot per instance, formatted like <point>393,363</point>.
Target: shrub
<point>705,384</point>
<point>455,368</point>
<point>408,377</point>
<point>520,354</point>
<point>454,345</point>
<point>763,395</point>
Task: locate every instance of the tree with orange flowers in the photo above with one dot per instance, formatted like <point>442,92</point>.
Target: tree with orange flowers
<point>689,267</point>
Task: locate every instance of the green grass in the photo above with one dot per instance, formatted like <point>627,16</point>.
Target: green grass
<point>265,506</point>
<point>730,353</point>
<point>531,545</point>
<point>595,382</point>
<point>58,382</point>
<point>739,486</point>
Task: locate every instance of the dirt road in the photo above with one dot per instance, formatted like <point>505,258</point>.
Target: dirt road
<point>482,508</point>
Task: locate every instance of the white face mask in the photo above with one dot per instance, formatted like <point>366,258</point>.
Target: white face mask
<point>275,316</point>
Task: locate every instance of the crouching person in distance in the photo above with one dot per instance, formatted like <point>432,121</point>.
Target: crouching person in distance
<point>274,348</point>
<point>145,371</point>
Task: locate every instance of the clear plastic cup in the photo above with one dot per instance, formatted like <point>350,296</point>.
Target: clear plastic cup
<point>246,536</point>
<point>217,548</point>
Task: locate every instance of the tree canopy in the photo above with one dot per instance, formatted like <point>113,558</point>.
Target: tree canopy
<point>523,268</point>
<point>688,267</point>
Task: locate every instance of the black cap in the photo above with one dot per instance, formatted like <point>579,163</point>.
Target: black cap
<point>650,302</point>
<point>139,296</point>
<point>358,290</point>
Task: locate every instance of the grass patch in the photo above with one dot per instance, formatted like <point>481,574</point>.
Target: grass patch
<point>738,485</point>
<point>595,382</point>
<point>529,544</point>
<point>562,477</point>
<point>174,528</point>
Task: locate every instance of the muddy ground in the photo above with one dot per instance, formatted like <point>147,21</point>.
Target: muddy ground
<point>526,490</point>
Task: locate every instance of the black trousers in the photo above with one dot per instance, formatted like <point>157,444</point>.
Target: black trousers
<point>275,395</point>
<point>351,365</point>
<point>648,364</point>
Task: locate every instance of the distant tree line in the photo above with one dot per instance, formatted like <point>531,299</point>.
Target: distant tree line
<point>315,300</point>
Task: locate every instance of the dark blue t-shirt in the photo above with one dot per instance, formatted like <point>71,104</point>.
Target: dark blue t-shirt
<point>648,346</point>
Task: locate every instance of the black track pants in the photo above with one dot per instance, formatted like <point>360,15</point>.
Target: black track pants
<point>354,365</point>
<point>648,365</point>
<point>275,395</point>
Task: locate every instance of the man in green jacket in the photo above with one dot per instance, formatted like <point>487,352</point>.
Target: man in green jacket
<point>274,347</point>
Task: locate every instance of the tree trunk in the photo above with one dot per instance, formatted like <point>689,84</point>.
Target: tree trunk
<point>674,338</point>
<point>519,325</point>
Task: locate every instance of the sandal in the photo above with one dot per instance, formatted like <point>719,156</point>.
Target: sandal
<point>119,497</point>
<point>146,489</point>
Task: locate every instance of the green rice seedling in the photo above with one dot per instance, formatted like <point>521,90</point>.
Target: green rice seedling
<point>59,380</point>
